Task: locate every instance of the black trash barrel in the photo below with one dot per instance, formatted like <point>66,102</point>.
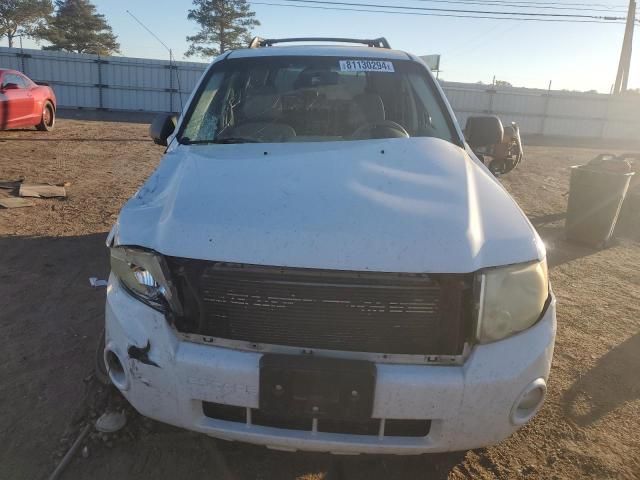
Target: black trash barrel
<point>596,194</point>
<point>629,220</point>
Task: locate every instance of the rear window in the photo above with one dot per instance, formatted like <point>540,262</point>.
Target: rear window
<point>315,99</point>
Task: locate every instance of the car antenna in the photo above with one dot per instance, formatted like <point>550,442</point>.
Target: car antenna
<point>171,59</point>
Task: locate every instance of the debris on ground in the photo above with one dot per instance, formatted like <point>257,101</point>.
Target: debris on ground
<point>12,192</point>
<point>42,191</point>
<point>120,424</point>
<point>97,283</point>
<point>111,422</point>
<point>70,453</point>
<point>15,202</point>
<point>10,184</point>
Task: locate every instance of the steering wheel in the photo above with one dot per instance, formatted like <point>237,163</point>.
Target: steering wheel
<point>381,129</point>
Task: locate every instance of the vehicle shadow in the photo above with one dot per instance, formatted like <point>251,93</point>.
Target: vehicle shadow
<point>116,116</point>
<point>169,452</point>
<point>16,130</point>
<point>280,465</point>
<point>610,384</point>
<point>435,466</point>
<point>50,319</point>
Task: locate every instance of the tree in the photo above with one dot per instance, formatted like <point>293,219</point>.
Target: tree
<point>77,27</point>
<point>23,17</point>
<point>225,25</point>
<point>502,83</point>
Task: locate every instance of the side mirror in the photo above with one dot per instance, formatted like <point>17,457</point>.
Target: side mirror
<point>483,131</point>
<point>162,127</point>
<point>10,86</point>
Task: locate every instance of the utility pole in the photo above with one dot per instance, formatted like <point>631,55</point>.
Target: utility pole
<point>622,78</point>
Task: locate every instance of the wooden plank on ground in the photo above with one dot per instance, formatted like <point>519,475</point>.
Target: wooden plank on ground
<point>15,202</point>
<point>42,191</point>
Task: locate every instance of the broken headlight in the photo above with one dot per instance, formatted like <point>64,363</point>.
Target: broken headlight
<point>145,275</point>
<point>511,299</point>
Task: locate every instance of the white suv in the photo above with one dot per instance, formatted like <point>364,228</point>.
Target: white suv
<point>321,263</point>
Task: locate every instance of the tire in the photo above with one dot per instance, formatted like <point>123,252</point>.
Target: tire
<point>48,120</point>
<point>100,368</point>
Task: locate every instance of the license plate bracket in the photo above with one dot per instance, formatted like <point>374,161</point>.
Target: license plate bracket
<point>310,387</point>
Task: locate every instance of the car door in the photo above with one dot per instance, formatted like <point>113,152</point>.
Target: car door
<point>33,113</point>
<point>17,102</point>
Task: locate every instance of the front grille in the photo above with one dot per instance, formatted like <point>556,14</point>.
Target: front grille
<point>317,309</point>
<point>369,427</point>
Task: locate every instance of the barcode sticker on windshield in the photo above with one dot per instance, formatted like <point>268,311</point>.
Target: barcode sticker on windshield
<point>366,66</point>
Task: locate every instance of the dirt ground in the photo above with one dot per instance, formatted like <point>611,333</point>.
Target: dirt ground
<point>50,320</point>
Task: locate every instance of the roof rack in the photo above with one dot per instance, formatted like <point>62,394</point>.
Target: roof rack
<point>258,42</point>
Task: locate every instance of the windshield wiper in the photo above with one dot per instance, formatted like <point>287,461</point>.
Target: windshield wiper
<point>231,140</point>
<point>226,140</point>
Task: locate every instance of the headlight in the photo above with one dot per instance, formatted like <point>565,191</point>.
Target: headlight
<point>145,275</point>
<point>511,299</point>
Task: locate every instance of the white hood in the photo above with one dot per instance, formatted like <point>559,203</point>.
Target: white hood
<point>398,205</point>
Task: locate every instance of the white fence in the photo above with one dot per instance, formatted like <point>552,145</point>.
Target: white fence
<point>120,83</point>
<point>551,113</point>
<point>112,83</point>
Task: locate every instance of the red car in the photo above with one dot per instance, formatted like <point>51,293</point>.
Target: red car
<point>23,103</point>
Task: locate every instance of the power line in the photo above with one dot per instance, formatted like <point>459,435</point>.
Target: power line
<point>149,30</point>
<point>171,59</point>
<point>533,5</point>
<point>450,10</point>
<point>531,2</point>
<point>450,15</point>
<point>478,40</point>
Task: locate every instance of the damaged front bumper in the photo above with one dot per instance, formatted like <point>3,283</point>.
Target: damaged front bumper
<point>469,406</point>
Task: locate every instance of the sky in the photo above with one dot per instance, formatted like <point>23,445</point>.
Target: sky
<point>572,56</point>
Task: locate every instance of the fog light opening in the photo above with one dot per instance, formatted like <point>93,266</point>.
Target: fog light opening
<point>116,370</point>
<point>529,402</point>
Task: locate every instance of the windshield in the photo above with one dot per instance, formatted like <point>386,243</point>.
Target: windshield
<point>315,99</point>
